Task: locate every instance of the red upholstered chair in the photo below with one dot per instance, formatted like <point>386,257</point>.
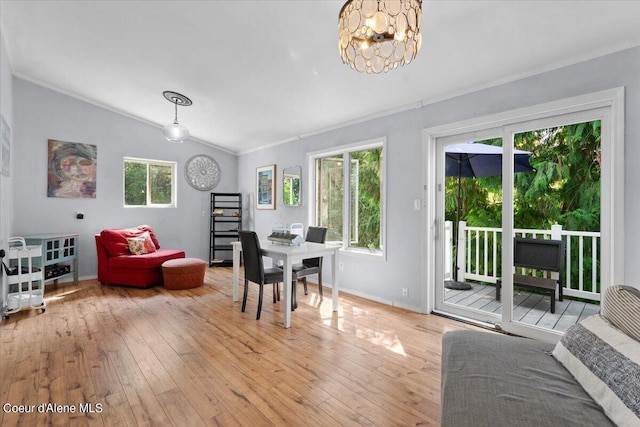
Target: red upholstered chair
<point>119,266</point>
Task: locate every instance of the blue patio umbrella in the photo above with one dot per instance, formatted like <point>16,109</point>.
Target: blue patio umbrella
<point>477,160</point>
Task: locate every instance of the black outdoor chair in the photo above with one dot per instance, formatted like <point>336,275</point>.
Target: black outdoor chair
<point>311,265</point>
<point>255,272</point>
<point>539,255</point>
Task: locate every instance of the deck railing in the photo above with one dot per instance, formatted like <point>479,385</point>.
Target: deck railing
<point>480,251</point>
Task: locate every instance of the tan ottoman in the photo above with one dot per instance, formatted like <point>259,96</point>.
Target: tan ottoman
<point>183,273</point>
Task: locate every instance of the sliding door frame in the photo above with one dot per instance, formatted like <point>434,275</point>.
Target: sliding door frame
<point>611,104</point>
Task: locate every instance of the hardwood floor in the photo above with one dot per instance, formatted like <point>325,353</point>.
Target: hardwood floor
<point>191,357</point>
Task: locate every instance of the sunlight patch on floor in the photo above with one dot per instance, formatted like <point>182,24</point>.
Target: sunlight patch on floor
<point>59,296</point>
<point>386,339</point>
<point>378,337</point>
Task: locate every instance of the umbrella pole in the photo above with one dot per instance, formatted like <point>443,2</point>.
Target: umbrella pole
<point>456,225</point>
<point>455,284</point>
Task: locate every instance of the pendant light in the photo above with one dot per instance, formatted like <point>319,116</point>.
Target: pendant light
<point>175,132</point>
<point>379,35</point>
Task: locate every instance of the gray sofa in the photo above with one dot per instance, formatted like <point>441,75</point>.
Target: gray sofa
<point>491,379</point>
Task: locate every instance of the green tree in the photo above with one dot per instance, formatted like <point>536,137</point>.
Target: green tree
<point>160,181</point>
<point>564,189</point>
<point>566,186</point>
<point>366,180</point>
<point>135,184</point>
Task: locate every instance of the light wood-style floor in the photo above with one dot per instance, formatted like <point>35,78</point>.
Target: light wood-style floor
<point>189,358</point>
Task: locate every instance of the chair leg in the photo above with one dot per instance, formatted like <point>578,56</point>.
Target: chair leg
<point>260,301</point>
<point>498,286</point>
<point>244,298</point>
<point>320,282</point>
<point>304,281</point>
<point>275,285</point>
<point>560,291</point>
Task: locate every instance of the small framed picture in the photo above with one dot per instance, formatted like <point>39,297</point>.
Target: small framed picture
<point>266,187</point>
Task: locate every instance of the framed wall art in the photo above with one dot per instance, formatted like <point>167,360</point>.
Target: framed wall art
<point>72,170</point>
<point>266,187</point>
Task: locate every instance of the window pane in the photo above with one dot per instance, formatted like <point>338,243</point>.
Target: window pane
<point>135,184</point>
<point>160,181</point>
<point>365,198</point>
<point>149,183</point>
<point>329,193</point>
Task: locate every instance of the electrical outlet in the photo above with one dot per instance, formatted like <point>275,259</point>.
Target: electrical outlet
<point>405,292</point>
<point>341,266</point>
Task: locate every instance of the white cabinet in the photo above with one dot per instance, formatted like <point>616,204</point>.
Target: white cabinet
<point>59,255</point>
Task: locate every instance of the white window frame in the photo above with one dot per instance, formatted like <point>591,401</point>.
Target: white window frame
<point>345,150</point>
<point>152,162</point>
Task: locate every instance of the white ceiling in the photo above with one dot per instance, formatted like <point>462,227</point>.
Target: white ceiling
<point>264,72</point>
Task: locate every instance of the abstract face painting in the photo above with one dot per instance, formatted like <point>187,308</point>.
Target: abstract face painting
<point>72,170</point>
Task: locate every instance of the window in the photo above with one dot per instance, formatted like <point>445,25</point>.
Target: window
<point>150,183</point>
<point>349,201</point>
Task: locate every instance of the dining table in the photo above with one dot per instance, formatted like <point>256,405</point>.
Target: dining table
<point>290,255</point>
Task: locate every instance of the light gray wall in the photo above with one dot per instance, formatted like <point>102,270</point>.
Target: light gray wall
<point>6,190</point>
<point>6,109</point>
<point>383,280</point>
<point>42,114</point>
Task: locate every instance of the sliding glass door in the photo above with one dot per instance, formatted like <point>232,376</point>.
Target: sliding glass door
<point>557,178</point>
<point>468,204</point>
<point>561,202</point>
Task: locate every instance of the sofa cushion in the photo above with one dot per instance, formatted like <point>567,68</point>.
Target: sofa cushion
<point>136,245</point>
<point>115,239</point>
<point>621,307</point>
<point>151,260</point>
<point>606,363</point>
<point>141,245</point>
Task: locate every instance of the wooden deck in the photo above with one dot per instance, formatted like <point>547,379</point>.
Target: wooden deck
<point>529,308</point>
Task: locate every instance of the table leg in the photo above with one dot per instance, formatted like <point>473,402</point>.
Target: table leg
<point>334,280</point>
<point>236,271</point>
<point>287,268</point>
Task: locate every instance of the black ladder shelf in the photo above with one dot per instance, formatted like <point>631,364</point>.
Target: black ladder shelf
<point>226,221</point>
